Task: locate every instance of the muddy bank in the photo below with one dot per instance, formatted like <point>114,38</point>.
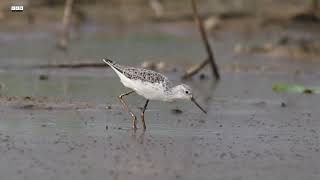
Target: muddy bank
<point>247,132</point>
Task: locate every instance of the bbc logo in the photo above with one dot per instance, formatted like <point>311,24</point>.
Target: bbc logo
<point>16,8</point>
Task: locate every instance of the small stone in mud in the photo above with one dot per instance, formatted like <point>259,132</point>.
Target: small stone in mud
<point>43,77</point>
<point>203,76</point>
<point>202,121</point>
<point>260,104</point>
<point>27,106</point>
<point>222,155</point>
<point>27,98</point>
<point>176,111</point>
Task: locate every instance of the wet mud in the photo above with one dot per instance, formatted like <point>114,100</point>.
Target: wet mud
<point>67,123</point>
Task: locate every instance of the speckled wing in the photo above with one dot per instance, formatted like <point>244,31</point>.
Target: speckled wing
<point>143,75</point>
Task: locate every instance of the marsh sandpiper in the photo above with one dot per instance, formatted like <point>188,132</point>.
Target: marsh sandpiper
<point>151,85</point>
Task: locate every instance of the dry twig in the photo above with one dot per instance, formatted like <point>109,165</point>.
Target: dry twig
<point>73,65</point>
<point>63,43</point>
<point>210,59</point>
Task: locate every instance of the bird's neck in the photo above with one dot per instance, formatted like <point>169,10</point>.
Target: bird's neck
<point>171,93</point>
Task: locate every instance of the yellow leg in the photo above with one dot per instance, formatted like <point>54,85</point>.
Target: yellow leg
<point>134,118</point>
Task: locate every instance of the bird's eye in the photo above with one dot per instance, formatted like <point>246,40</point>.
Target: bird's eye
<point>187,92</point>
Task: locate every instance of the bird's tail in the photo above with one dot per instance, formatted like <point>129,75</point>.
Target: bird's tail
<point>116,67</point>
<point>108,61</point>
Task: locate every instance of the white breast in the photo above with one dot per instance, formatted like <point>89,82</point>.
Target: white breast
<point>149,90</point>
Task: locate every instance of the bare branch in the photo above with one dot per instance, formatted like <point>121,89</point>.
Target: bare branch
<point>194,70</point>
<point>73,65</point>
<point>205,40</point>
<point>63,43</point>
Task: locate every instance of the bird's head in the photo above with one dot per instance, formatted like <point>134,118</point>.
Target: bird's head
<point>183,91</point>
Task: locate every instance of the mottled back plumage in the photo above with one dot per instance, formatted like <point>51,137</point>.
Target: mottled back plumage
<point>142,74</point>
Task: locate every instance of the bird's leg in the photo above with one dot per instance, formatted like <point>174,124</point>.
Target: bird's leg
<point>134,118</point>
<point>142,114</point>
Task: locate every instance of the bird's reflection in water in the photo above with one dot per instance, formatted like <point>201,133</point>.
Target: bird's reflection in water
<point>138,135</point>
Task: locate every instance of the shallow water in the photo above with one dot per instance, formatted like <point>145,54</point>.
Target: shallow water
<point>245,130</point>
<point>247,133</point>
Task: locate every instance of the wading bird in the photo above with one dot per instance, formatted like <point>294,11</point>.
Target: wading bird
<point>151,85</point>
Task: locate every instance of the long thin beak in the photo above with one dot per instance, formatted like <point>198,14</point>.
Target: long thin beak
<point>195,102</point>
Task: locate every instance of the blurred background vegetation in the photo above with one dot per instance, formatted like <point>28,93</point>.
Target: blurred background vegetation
<point>171,18</point>
<point>140,10</point>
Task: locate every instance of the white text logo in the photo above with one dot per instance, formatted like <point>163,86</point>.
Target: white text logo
<point>16,8</point>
